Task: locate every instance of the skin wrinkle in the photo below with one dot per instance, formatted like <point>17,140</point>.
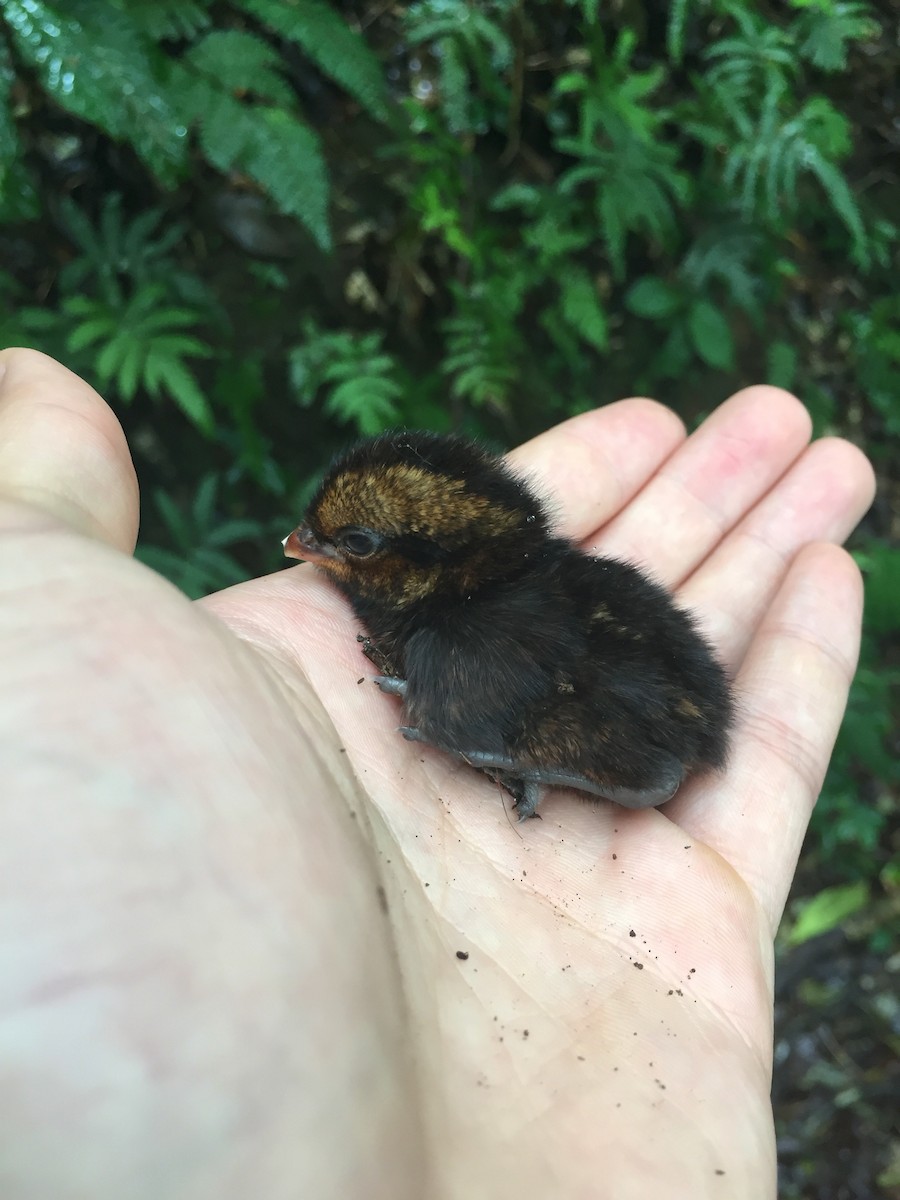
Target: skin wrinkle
<point>792,748</point>
<point>583,443</point>
<point>758,538</point>
<point>794,631</point>
<point>618,945</point>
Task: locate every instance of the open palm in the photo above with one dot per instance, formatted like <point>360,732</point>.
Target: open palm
<point>298,956</point>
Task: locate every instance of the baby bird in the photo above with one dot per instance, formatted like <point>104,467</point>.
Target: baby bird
<point>509,647</point>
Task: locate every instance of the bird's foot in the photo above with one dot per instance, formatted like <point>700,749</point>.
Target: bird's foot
<point>390,685</point>
<point>526,805</point>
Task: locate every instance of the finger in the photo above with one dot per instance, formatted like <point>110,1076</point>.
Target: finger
<point>720,472</point>
<point>792,691</point>
<point>589,467</point>
<point>821,498</point>
<point>62,451</point>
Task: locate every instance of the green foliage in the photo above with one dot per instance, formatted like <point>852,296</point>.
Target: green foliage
<point>143,344</point>
<point>356,380</point>
<point>875,333</point>
<point>197,558</point>
<point>851,818</point>
<point>480,344</point>
<point>631,172</point>
<point>319,31</point>
<point>473,51</point>
<point>116,253</point>
<point>881,564</point>
<point>93,62</point>
<point>827,27</point>
<point>111,65</point>
<point>824,911</point>
<point>17,199</point>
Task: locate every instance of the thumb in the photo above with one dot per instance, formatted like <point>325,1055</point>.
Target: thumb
<point>62,450</point>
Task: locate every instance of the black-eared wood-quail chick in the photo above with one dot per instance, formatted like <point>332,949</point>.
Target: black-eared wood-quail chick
<point>508,646</point>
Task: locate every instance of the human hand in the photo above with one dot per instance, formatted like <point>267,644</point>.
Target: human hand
<point>232,896</point>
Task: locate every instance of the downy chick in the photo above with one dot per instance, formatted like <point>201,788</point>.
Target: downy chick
<point>508,646</point>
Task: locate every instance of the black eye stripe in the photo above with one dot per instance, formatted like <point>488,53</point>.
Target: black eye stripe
<point>419,550</point>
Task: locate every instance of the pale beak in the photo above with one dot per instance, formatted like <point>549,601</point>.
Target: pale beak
<point>304,544</point>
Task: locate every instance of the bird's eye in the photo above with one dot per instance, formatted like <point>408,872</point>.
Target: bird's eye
<point>361,543</point>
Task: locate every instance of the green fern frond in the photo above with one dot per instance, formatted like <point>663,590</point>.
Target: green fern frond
<point>94,63</point>
<point>752,64</point>
<point>142,344</point>
<point>477,28</point>
<point>766,168</point>
<point>9,141</point>
<point>201,532</point>
<point>456,94</point>
<point>581,308</point>
<point>638,189</point>
<point>271,145</point>
<point>168,19</point>
<point>323,34</point>
<point>710,335</point>
<point>675,27</point>
<point>825,32</point>
<point>116,249</point>
<point>474,52</point>
<point>18,201</point>
<point>242,62</point>
<point>841,198</point>
<point>724,254</point>
<point>352,377</point>
<point>479,359</point>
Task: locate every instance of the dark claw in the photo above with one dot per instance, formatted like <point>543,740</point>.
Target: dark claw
<point>411,735</point>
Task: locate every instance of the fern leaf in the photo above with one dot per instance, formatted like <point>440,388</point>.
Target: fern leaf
<point>710,335</point>
<point>366,403</point>
<point>325,36</point>
<point>242,62</point>
<point>271,145</point>
<point>226,135</point>
<point>455,92</point>
<point>725,254</point>
<point>287,161</point>
<point>129,376</point>
<point>652,298</point>
<point>204,506</point>
<point>675,29</point>
<point>168,19</point>
<point>170,374</point>
<point>582,309</point>
<point>841,199</point>
<point>179,345</point>
<point>95,64</point>
<point>613,230</point>
<point>826,32</point>
<point>177,522</point>
<point>18,199</point>
<point>88,332</point>
<point>110,357</point>
<point>9,140</point>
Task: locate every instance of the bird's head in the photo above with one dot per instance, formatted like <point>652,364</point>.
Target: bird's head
<point>409,517</point>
